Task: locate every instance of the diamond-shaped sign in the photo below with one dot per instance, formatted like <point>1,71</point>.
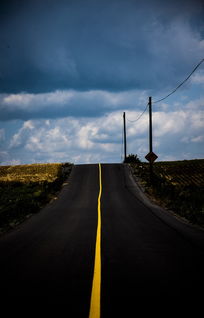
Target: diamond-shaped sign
<point>151,157</point>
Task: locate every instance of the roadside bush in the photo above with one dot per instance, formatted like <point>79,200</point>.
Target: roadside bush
<point>132,159</point>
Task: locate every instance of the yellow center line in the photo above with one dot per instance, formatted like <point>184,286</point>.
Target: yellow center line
<point>96,284</point>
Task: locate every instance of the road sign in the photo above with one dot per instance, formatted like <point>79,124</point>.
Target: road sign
<point>151,156</point>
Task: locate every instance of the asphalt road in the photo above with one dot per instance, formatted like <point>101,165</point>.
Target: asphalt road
<point>152,263</point>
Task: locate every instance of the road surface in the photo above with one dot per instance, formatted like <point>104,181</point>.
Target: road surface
<point>151,263</point>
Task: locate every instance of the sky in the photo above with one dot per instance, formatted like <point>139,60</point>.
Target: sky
<point>70,68</point>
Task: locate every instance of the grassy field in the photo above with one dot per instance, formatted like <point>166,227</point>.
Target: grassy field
<point>25,189</point>
<point>178,185</point>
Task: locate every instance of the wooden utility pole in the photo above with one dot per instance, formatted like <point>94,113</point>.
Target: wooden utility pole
<point>150,137</point>
<point>151,156</point>
<point>150,124</point>
<point>125,143</point>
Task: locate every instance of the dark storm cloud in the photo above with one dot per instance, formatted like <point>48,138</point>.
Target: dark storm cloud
<point>106,45</point>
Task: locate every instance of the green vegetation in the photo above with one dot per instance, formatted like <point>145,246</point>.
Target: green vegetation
<point>25,189</point>
<point>178,185</point>
<point>132,159</point>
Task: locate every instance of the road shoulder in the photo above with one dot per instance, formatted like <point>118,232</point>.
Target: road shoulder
<point>192,232</point>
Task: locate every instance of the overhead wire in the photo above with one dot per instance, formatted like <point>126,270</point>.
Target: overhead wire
<point>163,98</point>
<point>195,68</point>
<point>133,121</point>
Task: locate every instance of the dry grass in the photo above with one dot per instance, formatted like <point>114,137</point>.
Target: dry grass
<point>25,189</point>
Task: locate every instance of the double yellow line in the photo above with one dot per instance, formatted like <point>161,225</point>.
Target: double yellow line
<point>96,284</point>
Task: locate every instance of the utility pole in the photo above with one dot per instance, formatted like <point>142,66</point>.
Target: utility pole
<point>125,143</point>
<point>150,136</point>
<point>151,156</point>
<point>150,124</point>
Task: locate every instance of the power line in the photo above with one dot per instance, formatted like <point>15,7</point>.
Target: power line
<point>159,100</point>
<point>133,121</point>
